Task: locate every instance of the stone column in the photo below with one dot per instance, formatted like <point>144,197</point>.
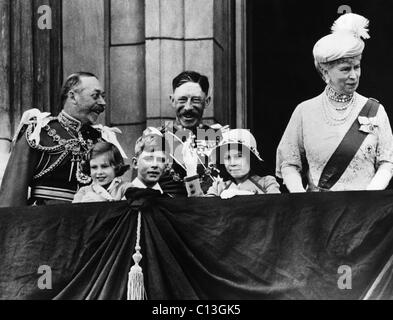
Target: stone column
<point>21,59</point>
<point>84,38</point>
<point>188,35</point>
<point>107,37</point>
<point>5,124</point>
<point>127,70</point>
<point>29,62</point>
<point>138,46</point>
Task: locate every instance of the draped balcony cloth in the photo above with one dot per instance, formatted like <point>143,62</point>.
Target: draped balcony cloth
<point>287,246</point>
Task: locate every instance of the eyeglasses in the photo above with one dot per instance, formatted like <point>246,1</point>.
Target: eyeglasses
<point>193,100</point>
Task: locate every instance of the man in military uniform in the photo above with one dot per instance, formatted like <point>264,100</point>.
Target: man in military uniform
<point>48,151</point>
<point>189,99</point>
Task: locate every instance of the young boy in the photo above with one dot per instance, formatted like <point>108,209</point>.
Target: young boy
<point>150,160</point>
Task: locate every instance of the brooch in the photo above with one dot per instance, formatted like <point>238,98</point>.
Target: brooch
<point>367,125</point>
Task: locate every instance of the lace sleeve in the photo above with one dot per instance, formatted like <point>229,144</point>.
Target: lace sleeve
<point>290,151</point>
<point>385,139</point>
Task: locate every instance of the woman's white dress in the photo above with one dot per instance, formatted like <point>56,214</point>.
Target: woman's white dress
<point>314,133</point>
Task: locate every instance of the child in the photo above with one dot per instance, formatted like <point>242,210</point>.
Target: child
<point>150,159</point>
<point>105,166</point>
<point>238,162</point>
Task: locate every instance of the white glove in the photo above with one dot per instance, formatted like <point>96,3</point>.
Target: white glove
<point>230,193</point>
<point>292,179</point>
<point>190,157</point>
<point>382,177</point>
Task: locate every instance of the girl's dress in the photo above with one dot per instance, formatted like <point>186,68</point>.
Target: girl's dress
<point>97,193</point>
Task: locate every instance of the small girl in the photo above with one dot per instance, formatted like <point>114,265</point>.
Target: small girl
<point>105,166</point>
<point>238,161</point>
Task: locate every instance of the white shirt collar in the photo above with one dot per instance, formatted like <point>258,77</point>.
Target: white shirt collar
<point>139,184</point>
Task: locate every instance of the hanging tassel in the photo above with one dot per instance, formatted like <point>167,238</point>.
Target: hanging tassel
<point>136,287</point>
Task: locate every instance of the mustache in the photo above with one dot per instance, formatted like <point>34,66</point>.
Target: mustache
<point>189,113</point>
<point>98,108</point>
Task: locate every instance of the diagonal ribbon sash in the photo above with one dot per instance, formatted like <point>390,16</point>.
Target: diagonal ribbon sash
<point>347,149</point>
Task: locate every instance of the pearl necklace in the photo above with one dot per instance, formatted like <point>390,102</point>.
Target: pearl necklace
<point>338,97</point>
<point>335,116</point>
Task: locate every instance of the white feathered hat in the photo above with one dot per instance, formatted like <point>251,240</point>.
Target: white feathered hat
<point>345,41</point>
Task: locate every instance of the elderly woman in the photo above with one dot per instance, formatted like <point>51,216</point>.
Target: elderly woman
<point>339,140</point>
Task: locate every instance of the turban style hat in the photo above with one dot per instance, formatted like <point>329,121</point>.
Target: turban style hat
<point>345,41</point>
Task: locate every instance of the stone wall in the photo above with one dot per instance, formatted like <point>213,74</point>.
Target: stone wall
<point>137,47</point>
<point>30,64</point>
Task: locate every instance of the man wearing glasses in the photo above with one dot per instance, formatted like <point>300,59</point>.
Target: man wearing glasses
<point>48,151</point>
<point>189,99</point>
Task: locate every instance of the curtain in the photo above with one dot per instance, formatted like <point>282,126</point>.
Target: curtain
<point>291,246</point>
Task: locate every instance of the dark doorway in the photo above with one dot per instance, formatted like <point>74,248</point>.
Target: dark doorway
<point>281,69</point>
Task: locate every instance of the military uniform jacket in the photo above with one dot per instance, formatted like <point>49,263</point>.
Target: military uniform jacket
<point>49,165</point>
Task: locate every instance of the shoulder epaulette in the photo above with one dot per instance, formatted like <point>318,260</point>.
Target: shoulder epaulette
<point>29,117</point>
<point>36,120</point>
